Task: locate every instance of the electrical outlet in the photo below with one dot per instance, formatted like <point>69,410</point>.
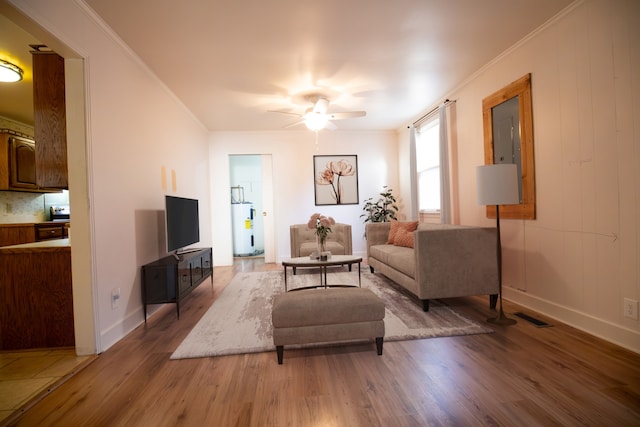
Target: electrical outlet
<point>115,298</point>
<point>631,308</point>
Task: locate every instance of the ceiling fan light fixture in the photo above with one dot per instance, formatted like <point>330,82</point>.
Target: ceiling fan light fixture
<point>315,121</point>
<point>9,72</point>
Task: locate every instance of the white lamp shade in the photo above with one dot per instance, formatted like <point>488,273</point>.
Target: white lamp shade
<point>497,184</point>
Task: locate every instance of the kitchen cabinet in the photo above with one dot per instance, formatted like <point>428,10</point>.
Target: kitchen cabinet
<point>36,294</point>
<point>50,123</point>
<point>22,163</point>
<point>16,234</point>
<point>18,164</point>
<point>51,230</point>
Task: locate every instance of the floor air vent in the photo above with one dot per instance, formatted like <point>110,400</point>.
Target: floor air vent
<point>539,323</point>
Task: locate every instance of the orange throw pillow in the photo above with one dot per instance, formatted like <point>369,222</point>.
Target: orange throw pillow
<point>404,238</point>
<point>396,225</point>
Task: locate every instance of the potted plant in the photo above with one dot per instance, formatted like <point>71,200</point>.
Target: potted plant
<point>382,210</point>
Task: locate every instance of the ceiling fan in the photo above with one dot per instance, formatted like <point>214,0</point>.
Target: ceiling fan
<point>318,117</point>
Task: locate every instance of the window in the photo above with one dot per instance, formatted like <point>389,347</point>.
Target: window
<point>428,166</point>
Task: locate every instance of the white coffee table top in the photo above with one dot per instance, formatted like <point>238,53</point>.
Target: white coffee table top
<point>305,261</point>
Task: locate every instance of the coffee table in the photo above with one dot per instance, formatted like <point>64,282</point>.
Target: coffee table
<point>322,265</point>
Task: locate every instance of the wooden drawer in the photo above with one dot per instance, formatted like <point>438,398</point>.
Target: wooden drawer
<point>49,232</point>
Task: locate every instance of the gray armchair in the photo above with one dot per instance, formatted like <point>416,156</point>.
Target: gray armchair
<point>303,240</point>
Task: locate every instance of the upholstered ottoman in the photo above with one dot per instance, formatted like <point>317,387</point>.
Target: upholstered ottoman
<point>326,315</point>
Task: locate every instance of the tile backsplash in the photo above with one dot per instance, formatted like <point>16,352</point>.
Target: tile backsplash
<point>17,207</point>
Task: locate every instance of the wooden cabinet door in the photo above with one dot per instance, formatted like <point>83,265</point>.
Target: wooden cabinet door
<point>50,120</point>
<point>22,168</point>
<point>184,276</point>
<point>16,234</point>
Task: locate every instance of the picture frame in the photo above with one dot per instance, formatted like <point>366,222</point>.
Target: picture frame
<point>335,179</point>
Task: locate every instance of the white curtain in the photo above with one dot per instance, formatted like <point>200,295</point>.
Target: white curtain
<point>414,175</point>
<point>445,184</point>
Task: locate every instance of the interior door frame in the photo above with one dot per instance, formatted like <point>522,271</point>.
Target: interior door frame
<point>266,162</point>
<point>268,225</point>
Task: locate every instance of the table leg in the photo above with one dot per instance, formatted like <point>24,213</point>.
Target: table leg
<point>285,278</point>
<point>359,279</point>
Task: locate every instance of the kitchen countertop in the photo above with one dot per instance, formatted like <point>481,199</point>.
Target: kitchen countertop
<point>26,224</point>
<point>54,222</point>
<point>44,246</point>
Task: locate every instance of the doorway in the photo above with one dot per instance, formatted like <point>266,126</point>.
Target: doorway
<point>251,193</point>
<point>86,321</point>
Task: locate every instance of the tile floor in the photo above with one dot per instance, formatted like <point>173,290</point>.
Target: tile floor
<point>26,374</point>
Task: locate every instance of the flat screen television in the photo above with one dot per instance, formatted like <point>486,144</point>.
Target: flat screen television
<point>183,223</point>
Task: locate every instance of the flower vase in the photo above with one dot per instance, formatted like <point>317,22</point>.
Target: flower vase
<point>322,248</point>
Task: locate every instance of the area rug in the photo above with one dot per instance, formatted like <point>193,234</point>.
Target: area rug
<point>239,320</point>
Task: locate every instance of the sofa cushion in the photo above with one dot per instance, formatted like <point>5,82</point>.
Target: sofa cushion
<point>396,225</point>
<point>404,238</point>
<point>398,257</point>
<point>326,307</point>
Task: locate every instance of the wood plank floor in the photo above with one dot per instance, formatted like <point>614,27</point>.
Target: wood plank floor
<point>520,375</point>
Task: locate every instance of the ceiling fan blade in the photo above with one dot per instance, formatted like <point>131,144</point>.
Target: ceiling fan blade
<point>284,112</point>
<point>346,115</point>
<point>290,125</point>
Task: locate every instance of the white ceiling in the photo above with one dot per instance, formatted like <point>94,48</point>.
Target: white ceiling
<point>230,61</point>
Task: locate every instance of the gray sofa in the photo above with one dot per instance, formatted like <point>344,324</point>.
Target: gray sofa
<point>446,261</point>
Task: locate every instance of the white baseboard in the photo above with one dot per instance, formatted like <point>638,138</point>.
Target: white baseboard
<point>123,327</point>
<point>606,330</point>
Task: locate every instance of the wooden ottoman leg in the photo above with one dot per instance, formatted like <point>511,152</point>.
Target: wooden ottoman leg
<point>280,351</point>
<point>379,341</point>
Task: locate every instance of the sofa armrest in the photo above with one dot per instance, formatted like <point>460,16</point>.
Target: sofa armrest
<point>456,261</point>
<point>341,233</point>
<point>293,241</point>
<point>298,234</point>
<point>376,233</point>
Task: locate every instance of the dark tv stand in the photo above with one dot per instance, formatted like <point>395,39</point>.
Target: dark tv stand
<point>172,278</point>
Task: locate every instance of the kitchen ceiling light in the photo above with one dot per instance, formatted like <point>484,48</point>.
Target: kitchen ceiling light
<point>10,72</point>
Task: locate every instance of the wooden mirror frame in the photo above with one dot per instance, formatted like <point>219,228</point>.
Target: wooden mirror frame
<point>522,89</point>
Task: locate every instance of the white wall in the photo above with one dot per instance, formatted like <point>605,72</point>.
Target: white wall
<point>292,155</point>
<point>138,137</point>
<point>580,257</point>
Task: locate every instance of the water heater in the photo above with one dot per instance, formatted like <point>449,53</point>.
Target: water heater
<point>242,214</point>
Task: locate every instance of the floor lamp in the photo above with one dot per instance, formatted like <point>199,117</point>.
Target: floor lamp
<point>498,185</point>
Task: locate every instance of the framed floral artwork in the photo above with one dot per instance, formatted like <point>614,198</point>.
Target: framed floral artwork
<point>335,180</point>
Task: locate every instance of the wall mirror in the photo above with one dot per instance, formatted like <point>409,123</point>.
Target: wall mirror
<point>508,138</point>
